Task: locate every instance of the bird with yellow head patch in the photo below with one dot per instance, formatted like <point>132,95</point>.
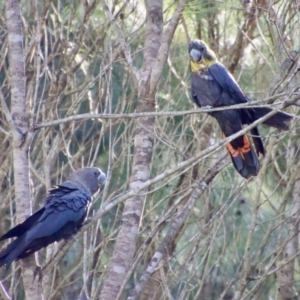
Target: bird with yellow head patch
<point>213,86</point>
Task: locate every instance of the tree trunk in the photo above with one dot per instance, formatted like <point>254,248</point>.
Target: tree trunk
<point>21,135</point>
<point>287,272</point>
<point>142,157</point>
<point>154,286</point>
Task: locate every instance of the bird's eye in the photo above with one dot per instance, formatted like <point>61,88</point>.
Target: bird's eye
<point>97,173</point>
<point>201,48</point>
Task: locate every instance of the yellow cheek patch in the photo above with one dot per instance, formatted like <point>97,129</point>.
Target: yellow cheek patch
<point>195,67</point>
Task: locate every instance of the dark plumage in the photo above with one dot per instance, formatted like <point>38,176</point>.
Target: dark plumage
<point>213,86</point>
<point>62,216</point>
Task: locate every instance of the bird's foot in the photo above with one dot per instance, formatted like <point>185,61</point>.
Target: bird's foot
<point>207,107</point>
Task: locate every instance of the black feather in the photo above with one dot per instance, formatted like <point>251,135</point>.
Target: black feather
<point>279,120</point>
<point>62,216</point>
<point>213,86</point>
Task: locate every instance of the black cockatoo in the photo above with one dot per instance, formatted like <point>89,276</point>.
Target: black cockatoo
<point>213,86</point>
<point>62,216</point>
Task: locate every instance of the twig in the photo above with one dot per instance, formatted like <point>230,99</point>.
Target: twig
<point>65,245</point>
<point>175,226</point>
<point>165,46</point>
<point>120,198</point>
<point>122,41</point>
<point>145,245</point>
<point>88,116</point>
<point>3,292</point>
<point>6,110</point>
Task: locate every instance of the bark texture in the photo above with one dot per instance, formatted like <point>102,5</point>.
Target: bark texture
<point>287,272</point>
<point>142,157</point>
<point>170,236</point>
<point>21,135</point>
<point>156,283</point>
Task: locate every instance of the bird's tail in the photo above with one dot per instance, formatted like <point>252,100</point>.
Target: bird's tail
<point>244,159</point>
<point>12,252</point>
<point>258,144</point>
<point>280,120</point>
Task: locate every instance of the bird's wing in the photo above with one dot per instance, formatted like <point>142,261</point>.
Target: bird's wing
<point>227,83</point>
<point>61,208</point>
<point>21,228</point>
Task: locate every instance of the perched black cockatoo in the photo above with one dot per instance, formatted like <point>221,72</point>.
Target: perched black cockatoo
<point>213,86</point>
<point>62,216</point>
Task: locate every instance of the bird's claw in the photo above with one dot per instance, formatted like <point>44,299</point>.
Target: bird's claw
<point>207,107</point>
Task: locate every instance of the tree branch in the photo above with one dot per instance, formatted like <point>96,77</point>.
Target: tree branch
<point>252,104</point>
<point>122,41</point>
<point>175,226</point>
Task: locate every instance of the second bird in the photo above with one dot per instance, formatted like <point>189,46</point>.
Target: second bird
<point>61,217</point>
<point>213,86</point>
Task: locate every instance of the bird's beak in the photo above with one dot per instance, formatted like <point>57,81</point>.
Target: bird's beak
<point>195,55</point>
<point>102,178</point>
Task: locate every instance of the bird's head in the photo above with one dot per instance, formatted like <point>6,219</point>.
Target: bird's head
<point>202,57</point>
<point>89,178</point>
